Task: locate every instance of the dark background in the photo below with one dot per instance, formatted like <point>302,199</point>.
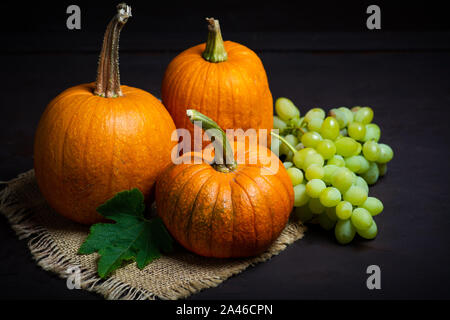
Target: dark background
<point>319,54</point>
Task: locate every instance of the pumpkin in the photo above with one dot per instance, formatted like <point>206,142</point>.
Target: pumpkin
<point>96,139</point>
<point>225,81</point>
<point>219,204</point>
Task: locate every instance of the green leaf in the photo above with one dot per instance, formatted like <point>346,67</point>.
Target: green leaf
<point>130,238</point>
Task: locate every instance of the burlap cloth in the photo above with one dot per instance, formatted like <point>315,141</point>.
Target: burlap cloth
<point>54,242</point>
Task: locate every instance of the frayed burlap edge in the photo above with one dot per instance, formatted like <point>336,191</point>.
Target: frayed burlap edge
<point>50,258</point>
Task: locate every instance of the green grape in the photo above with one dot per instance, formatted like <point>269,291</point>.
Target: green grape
<point>355,195</point>
<point>286,109</point>
<point>300,156</point>
<point>292,141</point>
<point>315,124</point>
<point>314,187</point>
<point>358,149</point>
<point>287,164</point>
<point>310,139</point>
<point>326,148</point>
<point>325,222</point>
<point>346,146</point>
<point>301,198</point>
<point>382,168</point>
<point>361,219</point>
<point>275,145</point>
<point>364,115</point>
<point>337,160</point>
<point>343,132</point>
<point>314,158</point>
<point>360,182</point>
<point>279,124</point>
<point>342,179</point>
<point>296,175</point>
<point>357,164</point>
<point>314,171</point>
<point>315,206</point>
<point>370,233</point>
<point>331,213</point>
<point>330,197</point>
<point>314,113</point>
<point>348,114</point>
<point>373,205</point>
<point>344,231</point>
<point>386,153</point>
<point>330,128</point>
<point>371,150</point>
<point>295,122</point>
<point>373,132</point>
<point>357,130</point>
<point>289,156</point>
<point>371,175</point>
<point>353,163</point>
<point>328,172</point>
<point>365,165</point>
<point>344,210</point>
<point>303,213</point>
<point>299,146</point>
<point>340,116</point>
<point>355,109</point>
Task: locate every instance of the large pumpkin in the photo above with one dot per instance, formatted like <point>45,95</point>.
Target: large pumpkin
<point>223,80</point>
<point>97,139</point>
<point>232,209</point>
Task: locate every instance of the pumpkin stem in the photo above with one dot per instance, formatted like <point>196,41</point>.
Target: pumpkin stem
<point>223,155</point>
<point>108,77</point>
<point>215,50</point>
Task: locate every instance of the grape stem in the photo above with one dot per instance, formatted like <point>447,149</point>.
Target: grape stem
<point>303,131</point>
<point>300,125</point>
<point>287,144</point>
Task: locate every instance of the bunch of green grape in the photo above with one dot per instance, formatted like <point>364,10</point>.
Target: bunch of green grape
<point>331,161</point>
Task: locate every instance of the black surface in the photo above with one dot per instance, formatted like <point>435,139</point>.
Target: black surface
<point>405,81</point>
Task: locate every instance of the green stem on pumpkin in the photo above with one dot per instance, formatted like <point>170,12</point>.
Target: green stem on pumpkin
<point>215,50</point>
<point>223,156</point>
<point>284,141</point>
<point>108,76</point>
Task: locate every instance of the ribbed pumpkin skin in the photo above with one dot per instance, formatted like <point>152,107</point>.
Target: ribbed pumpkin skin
<point>87,148</point>
<point>224,215</point>
<point>234,93</point>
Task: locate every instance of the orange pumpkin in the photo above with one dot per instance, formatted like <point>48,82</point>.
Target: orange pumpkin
<point>97,139</point>
<point>228,208</point>
<point>226,81</point>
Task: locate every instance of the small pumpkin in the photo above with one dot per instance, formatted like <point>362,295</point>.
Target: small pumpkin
<point>97,139</point>
<point>217,206</point>
<point>225,81</point>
